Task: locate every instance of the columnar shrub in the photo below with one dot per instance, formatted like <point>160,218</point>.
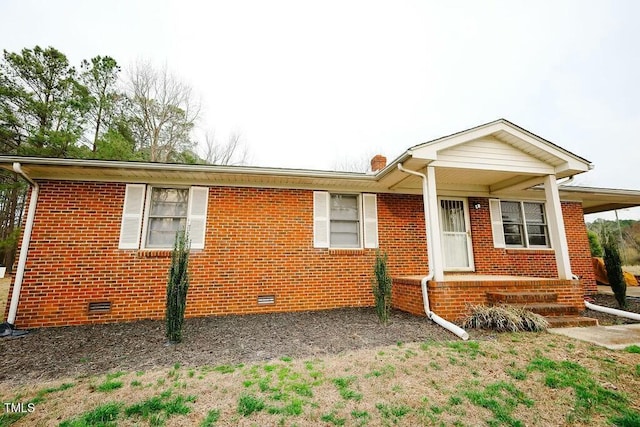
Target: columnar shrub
<point>613,265</point>
<point>382,288</point>
<point>177,287</point>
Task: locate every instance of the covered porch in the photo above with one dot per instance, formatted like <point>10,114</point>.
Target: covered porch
<point>494,188</point>
<point>499,219</point>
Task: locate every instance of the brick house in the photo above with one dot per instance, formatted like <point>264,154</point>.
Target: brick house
<point>477,211</point>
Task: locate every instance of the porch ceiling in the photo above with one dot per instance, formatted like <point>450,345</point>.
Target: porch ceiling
<point>451,181</point>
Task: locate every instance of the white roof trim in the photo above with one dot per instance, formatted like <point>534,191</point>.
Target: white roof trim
<point>429,150</point>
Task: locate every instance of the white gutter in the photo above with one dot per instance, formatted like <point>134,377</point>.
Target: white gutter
<point>423,283</point>
<point>24,247</point>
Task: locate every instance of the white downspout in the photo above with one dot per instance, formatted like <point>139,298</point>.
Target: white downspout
<point>423,283</point>
<point>24,247</point>
<point>613,311</point>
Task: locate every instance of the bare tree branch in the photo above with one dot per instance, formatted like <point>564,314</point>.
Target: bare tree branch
<point>164,112</point>
<point>232,153</point>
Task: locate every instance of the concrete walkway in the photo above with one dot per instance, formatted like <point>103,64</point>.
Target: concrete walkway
<point>632,291</point>
<point>615,337</point>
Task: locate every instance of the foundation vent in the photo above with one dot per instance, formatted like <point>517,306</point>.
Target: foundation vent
<point>99,307</point>
<point>266,299</point>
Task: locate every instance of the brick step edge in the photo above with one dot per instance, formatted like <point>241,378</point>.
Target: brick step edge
<point>549,309</point>
<point>521,297</point>
<point>570,321</point>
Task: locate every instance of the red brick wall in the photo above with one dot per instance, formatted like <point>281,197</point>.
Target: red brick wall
<point>258,242</point>
<point>451,299</point>
<point>525,262</point>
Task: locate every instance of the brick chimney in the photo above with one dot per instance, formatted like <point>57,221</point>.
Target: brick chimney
<point>378,162</point>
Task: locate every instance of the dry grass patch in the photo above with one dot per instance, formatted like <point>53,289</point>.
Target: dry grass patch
<point>5,282</point>
<point>515,379</point>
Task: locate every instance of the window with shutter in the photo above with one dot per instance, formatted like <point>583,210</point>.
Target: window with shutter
<point>167,210</point>
<point>496,223</point>
<point>320,219</point>
<point>345,221</point>
<point>198,202</point>
<point>132,216</point>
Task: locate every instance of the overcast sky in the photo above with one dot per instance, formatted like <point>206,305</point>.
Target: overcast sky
<point>315,84</point>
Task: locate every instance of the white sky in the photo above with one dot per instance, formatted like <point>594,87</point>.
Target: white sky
<point>309,84</point>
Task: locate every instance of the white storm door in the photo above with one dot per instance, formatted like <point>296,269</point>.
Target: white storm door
<point>456,235</point>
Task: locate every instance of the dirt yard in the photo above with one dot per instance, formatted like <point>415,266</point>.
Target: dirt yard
<point>51,353</point>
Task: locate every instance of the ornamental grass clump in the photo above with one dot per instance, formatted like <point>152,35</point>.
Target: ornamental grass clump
<point>504,318</point>
<point>177,287</point>
<point>382,288</point>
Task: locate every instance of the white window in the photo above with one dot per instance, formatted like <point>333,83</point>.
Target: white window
<point>524,224</point>
<point>153,215</point>
<point>167,216</point>
<point>345,221</point>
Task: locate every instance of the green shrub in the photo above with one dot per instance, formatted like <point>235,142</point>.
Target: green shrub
<point>504,318</point>
<point>613,265</point>
<point>382,288</point>
<point>177,287</point>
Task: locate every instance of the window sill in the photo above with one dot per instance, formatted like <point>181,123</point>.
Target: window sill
<point>154,253</point>
<point>348,252</point>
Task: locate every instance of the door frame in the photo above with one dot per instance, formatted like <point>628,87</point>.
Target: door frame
<point>467,223</point>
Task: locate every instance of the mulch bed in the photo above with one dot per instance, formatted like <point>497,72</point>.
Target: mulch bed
<point>52,353</point>
<point>633,305</point>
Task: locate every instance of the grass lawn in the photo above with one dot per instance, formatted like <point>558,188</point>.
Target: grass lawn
<point>515,379</point>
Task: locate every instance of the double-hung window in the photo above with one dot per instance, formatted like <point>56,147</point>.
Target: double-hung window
<point>167,216</point>
<point>523,224</point>
<point>345,221</point>
<point>152,216</point>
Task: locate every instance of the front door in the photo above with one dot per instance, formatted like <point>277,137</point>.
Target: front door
<point>456,235</point>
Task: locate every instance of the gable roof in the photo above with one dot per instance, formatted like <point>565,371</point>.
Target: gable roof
<point>500,142</point>
<point>505,126</point>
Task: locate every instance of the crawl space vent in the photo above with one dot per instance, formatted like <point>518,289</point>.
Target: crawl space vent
<point>266,299</point>
<point>100,307</point>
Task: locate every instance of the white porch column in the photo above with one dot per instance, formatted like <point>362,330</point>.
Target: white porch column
<point>431,200</point>
<point>556,227</point>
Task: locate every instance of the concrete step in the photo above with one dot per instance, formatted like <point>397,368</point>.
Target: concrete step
<point>549,309</point>
<point>521,297</point>
<point>570,321</point>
